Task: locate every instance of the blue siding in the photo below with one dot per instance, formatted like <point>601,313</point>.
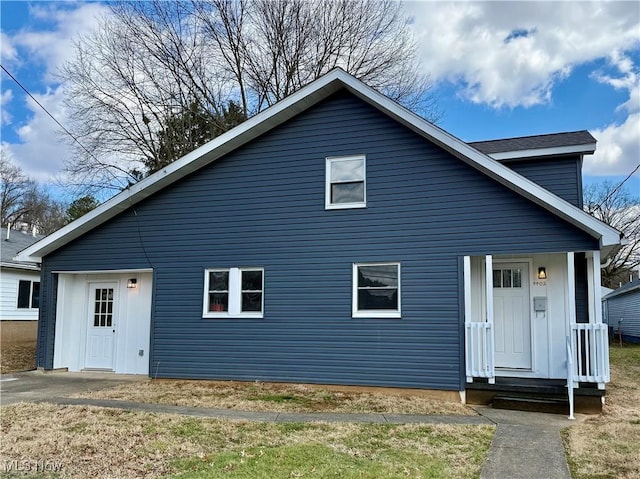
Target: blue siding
<point>263,205</point>
<point>560,175</point>
<point>625,307</point>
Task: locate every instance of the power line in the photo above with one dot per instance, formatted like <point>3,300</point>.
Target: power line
<point>54,119</point>
<point>619,186</point>
<point>47,111</point>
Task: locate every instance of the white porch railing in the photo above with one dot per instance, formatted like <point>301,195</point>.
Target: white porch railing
<point>590,353</point>
<point>479,345</point>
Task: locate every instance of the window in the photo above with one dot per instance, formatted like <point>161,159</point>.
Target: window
<point>507,278</point>
<point>376,290</point>
<point>345,182</point>
<point>233,292</point>
<point>28,294</point>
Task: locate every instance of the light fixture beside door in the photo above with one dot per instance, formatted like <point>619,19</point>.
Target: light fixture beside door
<point>542,272</point>
<point>132,283</point>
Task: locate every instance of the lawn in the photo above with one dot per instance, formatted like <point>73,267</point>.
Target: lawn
<point>259,396</point>
<point>608,446</point>
<point>100,442</point>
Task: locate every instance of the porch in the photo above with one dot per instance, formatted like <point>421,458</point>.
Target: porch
<point>522,324</point>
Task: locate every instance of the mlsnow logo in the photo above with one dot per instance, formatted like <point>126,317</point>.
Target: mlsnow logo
<point>31,465</point>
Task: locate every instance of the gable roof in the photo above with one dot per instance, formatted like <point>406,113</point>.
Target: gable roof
<point>573,142</point>
<point>291,106</point>
<point>624,289</point>
<point>9,247</point>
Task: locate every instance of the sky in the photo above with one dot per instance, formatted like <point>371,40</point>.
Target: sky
<point>499,70</point>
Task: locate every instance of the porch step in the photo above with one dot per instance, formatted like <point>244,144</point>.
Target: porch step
<point>531,404</point>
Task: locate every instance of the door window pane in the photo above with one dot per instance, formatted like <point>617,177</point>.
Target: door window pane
<point>497,278</point>
<point>506,278</point>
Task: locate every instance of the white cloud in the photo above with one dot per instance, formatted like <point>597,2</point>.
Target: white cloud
<point>53,47</point>
<point>8,52</point>
<point>618,151</point>
<point>5,98</point>
<point>508,54</point>
<point>40,153</point>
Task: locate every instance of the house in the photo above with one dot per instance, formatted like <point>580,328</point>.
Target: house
<point>338,238</point>
<point>622,311</point>
<point>19,288</point>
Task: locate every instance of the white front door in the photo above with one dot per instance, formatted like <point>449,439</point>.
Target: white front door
<point>101,326</point>
<point>512,317</point>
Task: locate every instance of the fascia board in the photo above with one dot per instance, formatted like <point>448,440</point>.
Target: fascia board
<point>586,149</point>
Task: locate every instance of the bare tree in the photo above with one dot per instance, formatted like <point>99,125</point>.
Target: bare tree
<point>22,201</point>
<point>618,208</point>
<point>150,62</point>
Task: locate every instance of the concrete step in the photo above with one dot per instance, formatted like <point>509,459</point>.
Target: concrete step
<point>532,404</point>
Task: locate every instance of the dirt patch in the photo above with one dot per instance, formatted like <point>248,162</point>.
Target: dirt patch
<point>17,357</point>
<point>607,446</point>
<point>275,397</point>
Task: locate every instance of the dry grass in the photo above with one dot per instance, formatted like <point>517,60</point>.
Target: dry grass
<point>101,443</point>
<point>17,357</point>
<point>275,397</point>
<point>608,446</point>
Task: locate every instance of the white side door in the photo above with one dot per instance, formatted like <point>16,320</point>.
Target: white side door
<point>512,317</point>
<point>101,326</point>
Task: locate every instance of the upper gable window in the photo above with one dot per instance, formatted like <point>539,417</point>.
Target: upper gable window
<point>346,182</point>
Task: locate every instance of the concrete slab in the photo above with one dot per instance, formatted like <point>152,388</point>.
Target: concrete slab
<point>34,386</point>
<point>523,452</point>
<point>525,418</point>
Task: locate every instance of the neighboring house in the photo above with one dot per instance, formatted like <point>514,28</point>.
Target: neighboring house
<point>622,310</point>
<point>337,238</point>
<point>19,288</point>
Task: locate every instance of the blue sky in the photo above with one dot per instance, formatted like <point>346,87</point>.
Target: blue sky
<point>499,69</point>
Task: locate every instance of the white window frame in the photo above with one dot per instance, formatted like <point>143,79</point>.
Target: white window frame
<point>337,206</point>
<point>31,283</point>
<point>234,292</point>
<point>375,313</point>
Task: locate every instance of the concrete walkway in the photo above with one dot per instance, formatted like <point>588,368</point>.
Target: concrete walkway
<point>526,445</point>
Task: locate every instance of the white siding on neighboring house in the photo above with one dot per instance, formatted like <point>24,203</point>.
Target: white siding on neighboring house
<point>9,280</point>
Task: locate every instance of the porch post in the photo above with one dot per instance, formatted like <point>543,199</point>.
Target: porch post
<point>489,298</point>
<point>594,293</point>
<point>571,288</point>
<point>489,289</point>
<point>467,317</point>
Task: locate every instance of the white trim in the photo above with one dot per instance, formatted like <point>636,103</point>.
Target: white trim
<point>105,271</point>
<point>594,291</point>
<point>327,186</point>
<point>466,276</point>
<point>287,108</point>
<point>234,295</point>
<point>380,313</point>
<point>488,271</point>
<point>587,149</point>
<point>571,288</point>
<point>31,283</point>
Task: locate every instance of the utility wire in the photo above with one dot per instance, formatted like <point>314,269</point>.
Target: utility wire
<point>52,117</point>
<point>47,111</point>
<point>619,186</point>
